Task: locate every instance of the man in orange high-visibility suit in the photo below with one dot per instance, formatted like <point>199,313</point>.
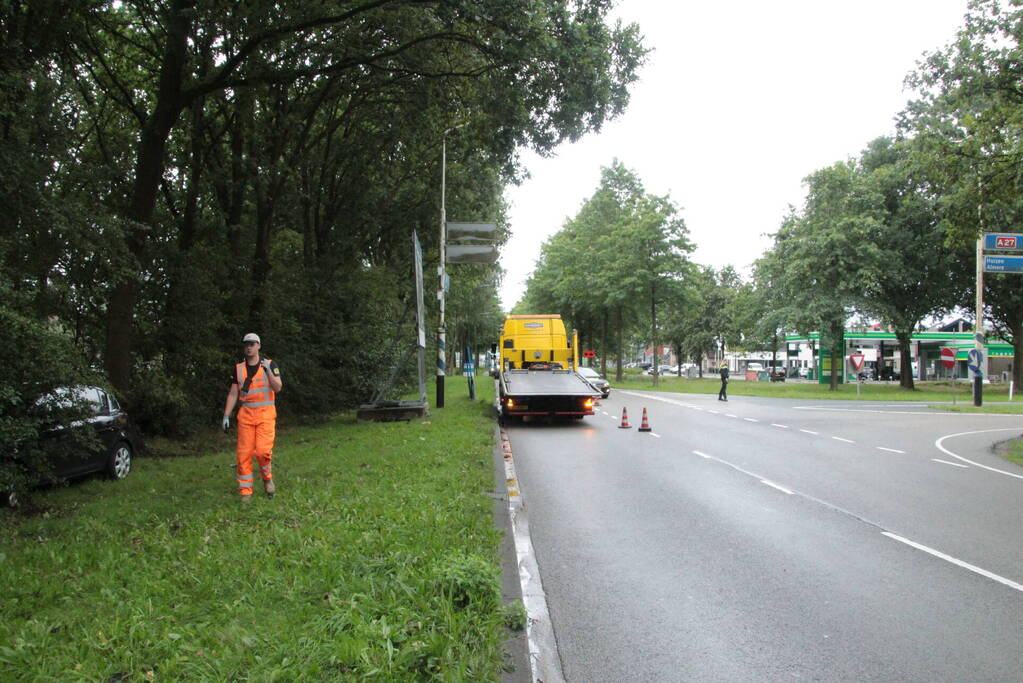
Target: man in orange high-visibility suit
<point>254,385</point>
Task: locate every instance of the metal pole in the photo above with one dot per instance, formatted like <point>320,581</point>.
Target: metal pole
<point>441,334</point>
<point>978,377</point>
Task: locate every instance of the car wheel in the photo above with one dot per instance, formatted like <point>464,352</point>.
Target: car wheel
<point>119,464</point>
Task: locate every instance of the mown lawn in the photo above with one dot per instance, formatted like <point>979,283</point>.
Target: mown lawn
<point>996,396</point>
<point>377,560</point>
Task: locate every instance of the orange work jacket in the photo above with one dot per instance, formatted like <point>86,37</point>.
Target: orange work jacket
<point>259,394</point>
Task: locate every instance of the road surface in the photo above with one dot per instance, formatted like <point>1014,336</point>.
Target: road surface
<point>764,539</point>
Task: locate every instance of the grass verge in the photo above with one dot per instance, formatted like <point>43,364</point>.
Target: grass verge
<point>377,560</point>
<point>996,394</point>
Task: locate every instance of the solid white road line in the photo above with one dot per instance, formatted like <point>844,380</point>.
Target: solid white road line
<point>983,431</point>
<point>776,486</point>
<point>702,455</point>
<point>838,438</point>
<point>544,661</point>
<point>890,450</point>
<point>959,563</point>
<point>953,464</point>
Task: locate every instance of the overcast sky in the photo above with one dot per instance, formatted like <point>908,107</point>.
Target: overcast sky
<point>738,102</point>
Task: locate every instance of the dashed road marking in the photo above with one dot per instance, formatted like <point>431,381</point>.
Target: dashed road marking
<point>953,464</point>
<point>750,419</point>
<point>838,438</point>
<point>775,424</point>
<point>890,450</point>
<point>807,431</point>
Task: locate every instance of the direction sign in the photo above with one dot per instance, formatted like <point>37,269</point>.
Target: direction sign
<point>948,357</point>
<point>976,361</point>
<point>1003,264</point>
<point>857,360</point>
<point>1003,241</point>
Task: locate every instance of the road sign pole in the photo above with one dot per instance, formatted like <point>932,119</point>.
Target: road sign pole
<point>978,331</point>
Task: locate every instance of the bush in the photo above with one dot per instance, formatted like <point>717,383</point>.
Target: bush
<point>37,360</point>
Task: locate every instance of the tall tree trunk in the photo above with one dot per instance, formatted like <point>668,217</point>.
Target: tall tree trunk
<point>1017,353</point>
<point>604,346</point>
<point>837,354</point>
<point>149,166</point>
<point>905,359</point>
<point>653,332</point>
<point>619,349</point>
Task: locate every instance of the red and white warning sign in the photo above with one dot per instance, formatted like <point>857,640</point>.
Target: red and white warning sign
<point>857,360</point>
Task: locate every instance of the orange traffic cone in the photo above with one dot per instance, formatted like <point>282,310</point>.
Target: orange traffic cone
<point>625,419</point>
<point>644,426</point>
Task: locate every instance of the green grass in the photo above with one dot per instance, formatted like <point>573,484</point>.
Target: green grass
<point>996,396</point>
<point>1014,451</point>
<point>377,560</point>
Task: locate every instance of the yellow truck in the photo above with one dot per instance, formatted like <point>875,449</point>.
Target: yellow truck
<point>536,370</point>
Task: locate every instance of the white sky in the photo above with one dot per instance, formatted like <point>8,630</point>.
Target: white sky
<point>739,101</point>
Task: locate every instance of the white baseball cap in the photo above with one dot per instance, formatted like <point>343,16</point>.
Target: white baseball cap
<point>251,337</point>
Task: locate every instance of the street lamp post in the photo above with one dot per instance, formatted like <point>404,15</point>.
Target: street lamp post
<point>441,332</point>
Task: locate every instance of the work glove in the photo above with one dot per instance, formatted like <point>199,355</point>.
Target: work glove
<point>227,422</point>
<point>266,364</point>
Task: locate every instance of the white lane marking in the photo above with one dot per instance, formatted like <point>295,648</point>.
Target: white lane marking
<point>807,431</point>
<point>712,412</point>
<point>982,431</point>
<point>959,563</point>
<point>937,413</point>
<point>890,450</point>
<point>953,464</point>
<point>656,436</point>
<point>730,415</point>
<point>702,455</point>
<point>776,486</point>
<point>838,438</point>
<point>750,419</point>
<point>775,424</point>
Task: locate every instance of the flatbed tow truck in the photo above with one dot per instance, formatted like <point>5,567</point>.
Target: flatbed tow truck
<point>536,372</point>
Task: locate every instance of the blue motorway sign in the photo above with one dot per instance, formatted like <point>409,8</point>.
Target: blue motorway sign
<point>1001,241</point>
<point>1003,264</point>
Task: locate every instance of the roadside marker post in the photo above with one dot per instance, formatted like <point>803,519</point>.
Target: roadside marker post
<point>857,363</point>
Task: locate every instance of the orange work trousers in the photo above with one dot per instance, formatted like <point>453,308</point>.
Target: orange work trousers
<point>256,430</point>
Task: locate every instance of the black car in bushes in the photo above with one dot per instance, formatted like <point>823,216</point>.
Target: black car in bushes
<point>117,440</point>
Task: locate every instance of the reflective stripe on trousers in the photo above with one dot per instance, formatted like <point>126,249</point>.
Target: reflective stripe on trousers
<point>256,433</point>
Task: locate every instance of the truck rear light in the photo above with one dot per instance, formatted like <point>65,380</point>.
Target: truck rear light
<point>510,403</point>
<point>587,403</point>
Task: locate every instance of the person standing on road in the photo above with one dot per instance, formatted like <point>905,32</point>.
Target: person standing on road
<point>254,385</point>
<point>723,394</point>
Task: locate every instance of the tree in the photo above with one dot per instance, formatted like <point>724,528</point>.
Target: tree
<point>823,258</point>
<point>927,277</point>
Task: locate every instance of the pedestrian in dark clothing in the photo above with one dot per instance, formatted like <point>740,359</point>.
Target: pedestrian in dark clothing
<point>723,394</point>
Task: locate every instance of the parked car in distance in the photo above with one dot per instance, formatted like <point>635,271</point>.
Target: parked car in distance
<point>598,382</point>
<point>663,370</point>
<point>119,439</point>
